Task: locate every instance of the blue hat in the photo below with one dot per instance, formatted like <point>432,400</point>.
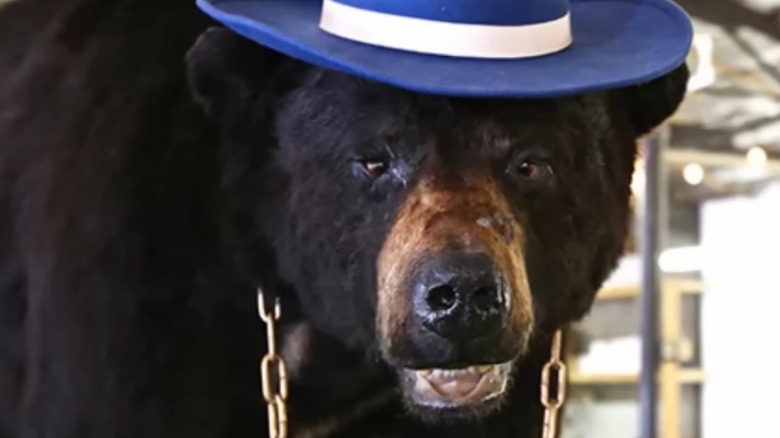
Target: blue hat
<point>473,48</point>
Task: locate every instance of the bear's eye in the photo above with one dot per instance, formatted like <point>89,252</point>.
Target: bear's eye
<point>531,169</point>
<point>374,168</point>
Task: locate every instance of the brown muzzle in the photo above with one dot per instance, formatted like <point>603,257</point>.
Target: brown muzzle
<point>452,275</point>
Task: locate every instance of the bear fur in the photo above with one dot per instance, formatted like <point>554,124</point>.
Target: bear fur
<point>155,172</point>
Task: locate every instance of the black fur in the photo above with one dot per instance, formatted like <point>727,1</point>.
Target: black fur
<point>136,222</point>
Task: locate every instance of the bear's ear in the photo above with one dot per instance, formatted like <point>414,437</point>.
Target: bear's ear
<point>224,67</point>
<point>649,104</point>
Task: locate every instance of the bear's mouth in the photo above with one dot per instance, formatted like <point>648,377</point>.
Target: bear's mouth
<point>455,389</point>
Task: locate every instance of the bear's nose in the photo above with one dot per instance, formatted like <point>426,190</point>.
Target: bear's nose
<point>461,296</point>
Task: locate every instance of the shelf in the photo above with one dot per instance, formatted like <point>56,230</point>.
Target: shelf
<point>689,376</point>
<point>622,292</point>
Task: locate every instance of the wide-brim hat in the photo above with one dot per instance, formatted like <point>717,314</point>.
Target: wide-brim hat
<point>473,48</point>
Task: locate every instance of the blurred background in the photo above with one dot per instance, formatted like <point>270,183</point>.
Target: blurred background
<point>718,229</point>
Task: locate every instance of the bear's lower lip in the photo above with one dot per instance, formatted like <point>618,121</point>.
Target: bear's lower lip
<point>452,388</point>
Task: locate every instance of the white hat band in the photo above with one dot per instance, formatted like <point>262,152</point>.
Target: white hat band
<point>445,38</point>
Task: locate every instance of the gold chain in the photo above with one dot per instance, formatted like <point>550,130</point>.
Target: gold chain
<point>553,404</point>
<point>275,396</point>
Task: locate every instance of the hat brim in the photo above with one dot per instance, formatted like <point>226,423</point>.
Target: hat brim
<point>616,43</point>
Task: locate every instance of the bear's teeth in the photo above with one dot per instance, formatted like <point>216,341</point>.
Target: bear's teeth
<point>450,374</point>
<point>483,369</point>
<point>447,374</point>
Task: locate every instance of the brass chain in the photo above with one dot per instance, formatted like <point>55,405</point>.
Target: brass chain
<point>275,395</point>
<point>553,404</point>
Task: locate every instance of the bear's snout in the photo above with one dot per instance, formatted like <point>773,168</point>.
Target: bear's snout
<point>454,307</point>
<point>461,296</point>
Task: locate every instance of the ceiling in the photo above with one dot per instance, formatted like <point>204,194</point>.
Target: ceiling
<point>725,139</point>
<point>734,103</point>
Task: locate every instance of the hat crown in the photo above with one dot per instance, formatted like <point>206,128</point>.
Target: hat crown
<point>465,48</point>
<point>492,12</point>
<point>460,28</point>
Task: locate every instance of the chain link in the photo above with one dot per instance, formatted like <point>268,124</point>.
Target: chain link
<point>273,370</point>
<point>553,404</point>
<point>276,396</point>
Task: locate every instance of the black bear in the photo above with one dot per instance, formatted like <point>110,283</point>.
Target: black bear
<point>156,171</point>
